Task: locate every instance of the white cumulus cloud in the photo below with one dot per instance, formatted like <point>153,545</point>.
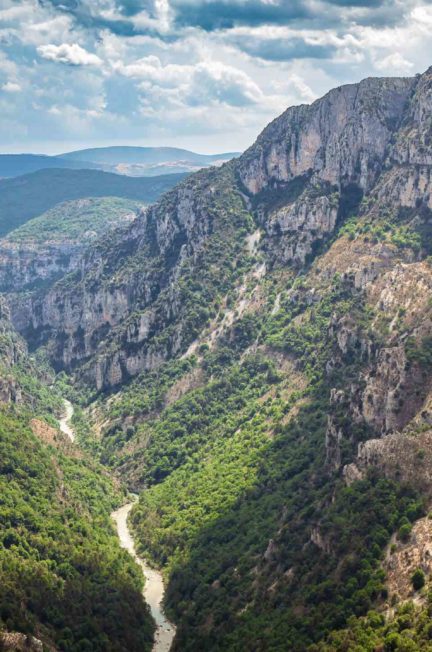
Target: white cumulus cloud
<point>395,63</point>
<point>72,54</point>
<point>11,87</point>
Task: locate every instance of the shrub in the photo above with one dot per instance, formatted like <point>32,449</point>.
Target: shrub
<point>418,579</point>
<point>404,532</point>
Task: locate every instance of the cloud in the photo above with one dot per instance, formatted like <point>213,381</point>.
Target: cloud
<point>423,15</point>
<point>177,71</point>
<point>72,54</point>
<point>11,87</point>
<point>223,14</point>
<point>282,44</point>
<point>217,82</point>
<point>395,63</point>
<point>207,82</point>
<point>302,89</point>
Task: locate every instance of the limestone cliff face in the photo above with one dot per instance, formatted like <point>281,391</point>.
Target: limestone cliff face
<point>393,385</point>
<point>44,249</point>
<point>26,266</point>
<point>311,157</point>
<point>113,292</point>
<point>340,139</point>
<point>122,310</point>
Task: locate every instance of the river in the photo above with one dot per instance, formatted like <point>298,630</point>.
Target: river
<point>154,588</point>
<point>65,426</point>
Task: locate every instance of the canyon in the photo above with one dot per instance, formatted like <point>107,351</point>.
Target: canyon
<point>251,355</point>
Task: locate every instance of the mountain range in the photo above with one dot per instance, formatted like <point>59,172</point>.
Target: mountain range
<point>132,161</point>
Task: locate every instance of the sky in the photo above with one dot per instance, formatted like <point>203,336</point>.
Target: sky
<point>207,75</point>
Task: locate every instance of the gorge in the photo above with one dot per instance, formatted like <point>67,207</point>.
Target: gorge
<point>251,355</point>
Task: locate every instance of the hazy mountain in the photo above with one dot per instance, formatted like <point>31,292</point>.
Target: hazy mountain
<point>13,165</point>
<point>148,161</point>
<point>133,161</point>
<point>144,155</point>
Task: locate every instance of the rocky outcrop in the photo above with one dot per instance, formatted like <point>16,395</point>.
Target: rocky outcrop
<point>340,139</point>
<point>406,458</point>
<point>403,559</point>
<point>47,247</point>
<point>334,432</point>
<point>391,396</point>
<point>16,642</point>
<point>296,228</point>
<point>27,266</point>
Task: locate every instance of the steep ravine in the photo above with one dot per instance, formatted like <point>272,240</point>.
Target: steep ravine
<point>154,588</point>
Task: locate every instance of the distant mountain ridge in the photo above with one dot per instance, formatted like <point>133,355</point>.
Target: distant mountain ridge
<point>130,154</point>
<point>13,165</point>
<point>131,161</point>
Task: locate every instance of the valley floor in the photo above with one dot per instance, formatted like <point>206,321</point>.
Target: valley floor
<point>154,588</point>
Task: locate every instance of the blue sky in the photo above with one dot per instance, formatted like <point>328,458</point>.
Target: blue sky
<point>202,74</point>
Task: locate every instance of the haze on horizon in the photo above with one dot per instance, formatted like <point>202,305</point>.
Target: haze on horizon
<point>206,75</point>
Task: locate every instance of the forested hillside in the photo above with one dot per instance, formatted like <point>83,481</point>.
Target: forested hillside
<point>30,195</point>
<point>65,582</point>
<point>64,579</point>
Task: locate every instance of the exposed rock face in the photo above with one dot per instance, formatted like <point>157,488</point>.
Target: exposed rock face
<point>340,139</point>
<point>320,541</point>
<point>16,642</point>
<point>401,563</point>
<point>47,247</point>
<point>334,433</point>
<point>115,292</point>
<point>26,266</point>
<point>403,457</point>
<point>122,311</point>
<point>294,229</point>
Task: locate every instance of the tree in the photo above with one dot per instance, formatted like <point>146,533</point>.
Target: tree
<point>418,579</point>
<point>404,532</point>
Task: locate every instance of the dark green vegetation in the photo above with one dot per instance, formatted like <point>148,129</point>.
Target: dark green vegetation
<point>418,579</point>
<point>263,545</point>
<point>14,165</point>
<point>63,576</point>
<point>228,469</point>
<point>28,196</point>
<point>72,220</point>
<point>409,631</point>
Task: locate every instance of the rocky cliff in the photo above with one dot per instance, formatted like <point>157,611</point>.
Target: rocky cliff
<point>44,249</point>
<point>121,312</point>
